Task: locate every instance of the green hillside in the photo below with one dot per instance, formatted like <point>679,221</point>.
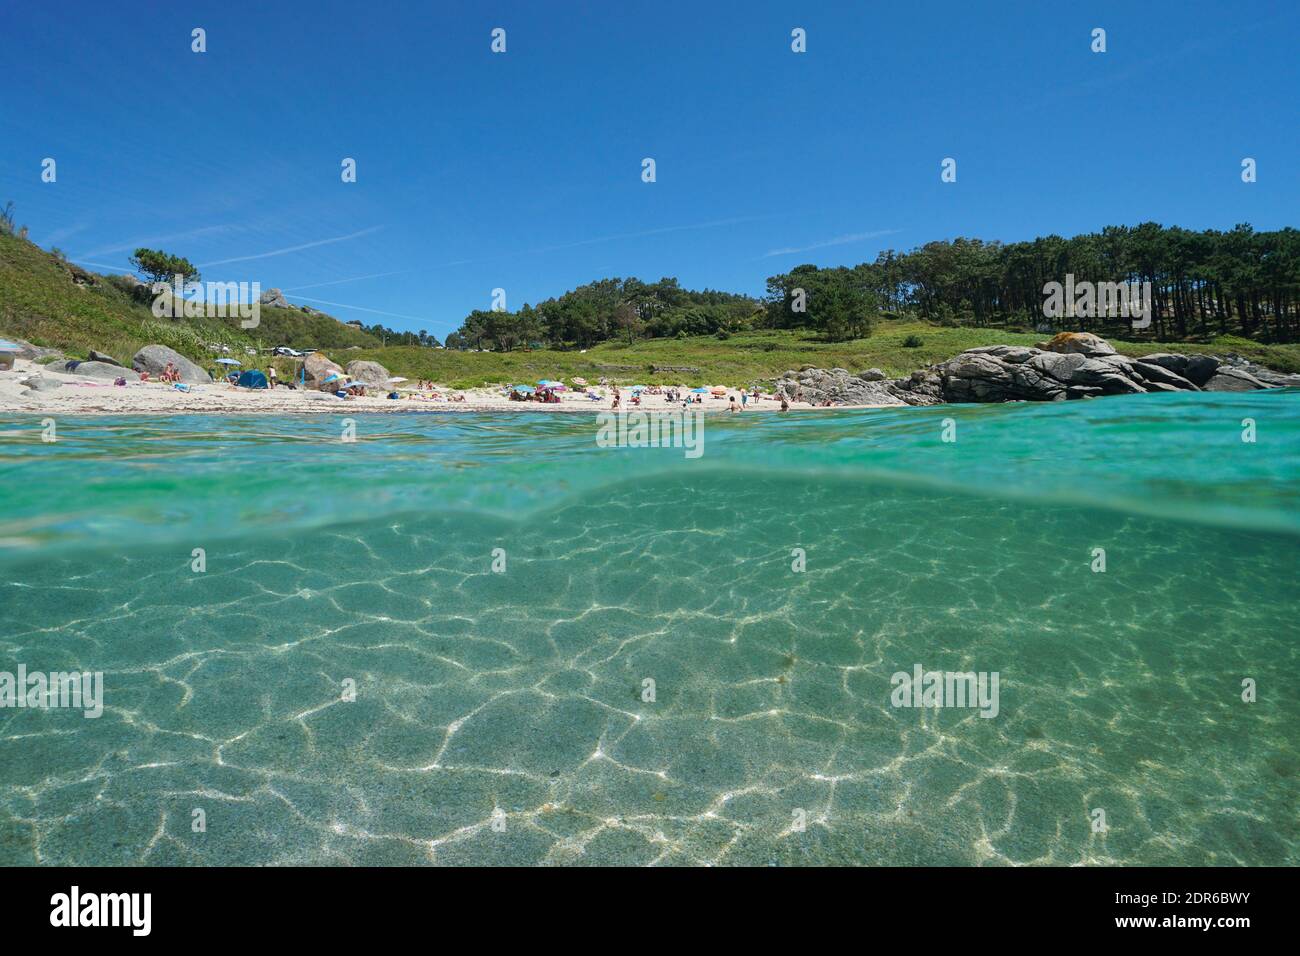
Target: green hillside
<point>54,303</point>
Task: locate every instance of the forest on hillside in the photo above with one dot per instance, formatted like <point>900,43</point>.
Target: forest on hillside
<point>1203,284</point>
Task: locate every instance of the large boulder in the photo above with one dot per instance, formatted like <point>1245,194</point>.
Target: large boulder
<point>1083,343</point>
<point>154,358</point>
<point>41,383</point>
<point>1197,369</point>
<point>96,370</point>
<point>275,299</point>
<point>1228,379</point>
<point>34,353</point>
<point>372,374</point>
<point>317,368</point>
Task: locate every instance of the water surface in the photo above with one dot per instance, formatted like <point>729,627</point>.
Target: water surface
<point>519,696</point>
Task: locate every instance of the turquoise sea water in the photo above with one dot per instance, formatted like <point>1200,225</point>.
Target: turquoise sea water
<point>518,698</point>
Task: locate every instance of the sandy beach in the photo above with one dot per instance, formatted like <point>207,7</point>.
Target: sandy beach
<point>82,395</point>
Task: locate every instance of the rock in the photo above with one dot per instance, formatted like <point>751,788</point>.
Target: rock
<point>106,359</point>
<point>275,299</point>
<point>1228,379</point>
<point>841,387</point>
<point>34,353</point>
<point>372,374</point>
<point>1078,366</point>
<point>99,370</point>
<point>1158,374</point>
<point>39,383</point>
<point>1266,375</point>
<point>154,358</point>
<point>1084,343</point>
<point>872,375</point>
<point>318,368</point>
<point>1001,373</point>
<point>1197,369</point>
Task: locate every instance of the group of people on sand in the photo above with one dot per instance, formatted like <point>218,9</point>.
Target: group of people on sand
<point>545,396</point>
<point>170,373</point>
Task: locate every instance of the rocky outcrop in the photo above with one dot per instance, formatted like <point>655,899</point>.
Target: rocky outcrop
<point>1081,365</point>
<point>1070,365</point>
<point>154,358</point>
<point>317,368</point>
<point>841,387</point>
<point>275,299</point>
<point>372,374</point>
<point>1001,373</point>
<point>1266,375</point>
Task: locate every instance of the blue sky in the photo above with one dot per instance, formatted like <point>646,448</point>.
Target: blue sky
<point>523,170</point>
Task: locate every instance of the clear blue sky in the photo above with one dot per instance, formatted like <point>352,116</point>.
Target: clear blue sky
<point>523,170</point>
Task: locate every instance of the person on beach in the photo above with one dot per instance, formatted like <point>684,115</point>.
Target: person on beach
<point>785,406</point>
<point>270,376</point>
<point>732,406</point>
<point>744,400</point>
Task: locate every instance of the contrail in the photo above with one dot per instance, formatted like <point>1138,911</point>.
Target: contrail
<point>281,252</point>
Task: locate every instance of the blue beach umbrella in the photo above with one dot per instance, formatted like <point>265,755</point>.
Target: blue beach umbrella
<point>699,391</point>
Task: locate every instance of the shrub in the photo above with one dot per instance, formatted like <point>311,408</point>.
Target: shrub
<point>912,342</point>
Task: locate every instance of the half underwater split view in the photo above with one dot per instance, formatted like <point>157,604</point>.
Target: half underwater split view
<point>577,471</point>
<point>443,639</point>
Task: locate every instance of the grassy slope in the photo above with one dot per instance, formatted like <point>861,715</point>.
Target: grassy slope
<point>40,301</point>
<point>756,357</point>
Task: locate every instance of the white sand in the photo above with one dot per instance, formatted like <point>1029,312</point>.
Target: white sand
<point>80,395</point>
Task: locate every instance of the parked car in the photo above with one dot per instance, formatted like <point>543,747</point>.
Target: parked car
<point>285,350</point>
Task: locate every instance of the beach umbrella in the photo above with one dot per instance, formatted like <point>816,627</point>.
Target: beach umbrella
<point>526,389</point>
<point>719,391</point>
<point>699,391</point>
<point>580,381</point>
<point>395,379</point>
<point>229,362</point>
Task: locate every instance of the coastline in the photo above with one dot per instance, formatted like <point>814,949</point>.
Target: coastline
<point>83,395</point>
